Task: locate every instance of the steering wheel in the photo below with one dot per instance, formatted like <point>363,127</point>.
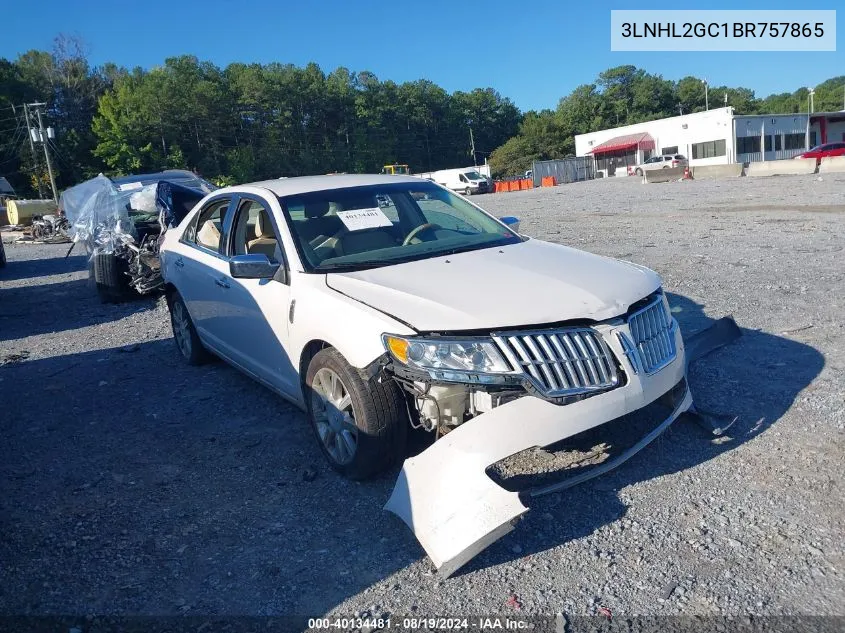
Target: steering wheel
<point>415,231</point>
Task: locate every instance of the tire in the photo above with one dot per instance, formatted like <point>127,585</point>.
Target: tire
<point>110,277</point>
<point>185,335</point>
<point>2,255</point>
<point>378,417</point>
<point>638,171</point>
<point>665,167</point>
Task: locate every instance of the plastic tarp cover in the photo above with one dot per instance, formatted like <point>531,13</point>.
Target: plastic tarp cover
<point>103,215</point>
<point>98,214</point>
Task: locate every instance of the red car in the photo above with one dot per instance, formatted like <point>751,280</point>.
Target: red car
<point>823,151</point>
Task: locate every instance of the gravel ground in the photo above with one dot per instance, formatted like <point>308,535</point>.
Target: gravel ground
<point>134,484</point>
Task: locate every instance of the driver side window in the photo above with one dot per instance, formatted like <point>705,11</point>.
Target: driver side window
<point>254,233</point>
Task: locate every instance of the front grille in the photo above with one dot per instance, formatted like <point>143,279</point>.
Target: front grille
<point>653,338</point>
<point>560,362</point>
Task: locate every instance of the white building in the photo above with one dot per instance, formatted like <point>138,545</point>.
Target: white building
<point>712,137</point>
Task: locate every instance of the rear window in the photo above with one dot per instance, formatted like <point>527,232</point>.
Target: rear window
<point>680,157</point>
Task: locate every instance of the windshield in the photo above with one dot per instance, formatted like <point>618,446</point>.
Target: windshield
<point>473,175</point>
<point>378,225</point>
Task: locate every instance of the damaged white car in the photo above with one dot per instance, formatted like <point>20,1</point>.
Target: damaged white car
<point>382,303</point>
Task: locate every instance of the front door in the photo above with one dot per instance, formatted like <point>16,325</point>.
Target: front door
<point>255,331</point>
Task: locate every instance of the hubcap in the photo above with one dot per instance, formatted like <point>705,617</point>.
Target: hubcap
<point>181,328</point>
<point>331,407</point>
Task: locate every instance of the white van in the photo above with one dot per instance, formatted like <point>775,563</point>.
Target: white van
<point>465,180</point>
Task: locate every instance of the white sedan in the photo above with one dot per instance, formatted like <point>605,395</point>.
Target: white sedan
<point>382,303</point>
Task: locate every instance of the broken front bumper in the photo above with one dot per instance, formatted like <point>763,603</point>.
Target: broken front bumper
<point>450,503</point>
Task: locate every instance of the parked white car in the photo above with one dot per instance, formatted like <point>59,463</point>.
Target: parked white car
<point>659,162</point>
<point>382,303</point>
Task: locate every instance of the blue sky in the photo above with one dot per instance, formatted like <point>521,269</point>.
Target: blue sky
<point>533,53</point>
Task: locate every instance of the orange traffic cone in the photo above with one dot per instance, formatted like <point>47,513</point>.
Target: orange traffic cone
<point>687,173</point>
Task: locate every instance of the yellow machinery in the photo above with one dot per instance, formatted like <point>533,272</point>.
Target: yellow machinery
<point>401,170</point>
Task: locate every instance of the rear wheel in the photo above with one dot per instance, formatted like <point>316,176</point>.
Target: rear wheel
<point>184,333</point>
<point>2,255</point>
<point>638,171</point>
<point>110,277</point>
<point>665,166</point>
<point>358,421</point>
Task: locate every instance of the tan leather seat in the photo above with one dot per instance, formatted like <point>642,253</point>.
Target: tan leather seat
<point>209,235</point>
<point>265,242</point>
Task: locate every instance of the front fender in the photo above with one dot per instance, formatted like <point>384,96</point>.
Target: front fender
<point>351,327</point>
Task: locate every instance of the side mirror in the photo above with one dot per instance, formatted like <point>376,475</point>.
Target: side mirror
<point>511,222</point>
<point>252,267</point>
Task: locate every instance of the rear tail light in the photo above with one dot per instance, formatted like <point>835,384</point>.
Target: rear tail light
<point>674,163</point>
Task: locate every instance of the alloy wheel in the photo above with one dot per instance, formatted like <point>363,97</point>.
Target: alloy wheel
<point>181,328</point>
<point>334,418</point>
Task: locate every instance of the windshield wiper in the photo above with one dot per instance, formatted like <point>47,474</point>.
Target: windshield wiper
<point>368,263</point>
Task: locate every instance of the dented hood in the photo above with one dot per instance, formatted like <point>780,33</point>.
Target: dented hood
<point>530,283</point>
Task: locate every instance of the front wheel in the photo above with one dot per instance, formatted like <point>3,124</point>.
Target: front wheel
<point>360,422</point>
<point>467,191</point>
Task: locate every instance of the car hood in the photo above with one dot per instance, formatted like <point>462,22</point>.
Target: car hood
<point>525,284</point>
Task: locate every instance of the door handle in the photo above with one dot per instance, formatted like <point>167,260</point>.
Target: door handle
<point>179,262</point>
<point>221,282</point>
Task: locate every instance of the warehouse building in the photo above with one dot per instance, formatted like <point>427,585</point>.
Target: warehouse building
<point>712,137</point>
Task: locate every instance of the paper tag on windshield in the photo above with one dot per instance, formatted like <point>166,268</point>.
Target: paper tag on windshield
<point>360,219</point>
<point>130,186</point>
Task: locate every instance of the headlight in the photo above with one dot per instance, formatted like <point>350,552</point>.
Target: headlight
<point>445,358</point>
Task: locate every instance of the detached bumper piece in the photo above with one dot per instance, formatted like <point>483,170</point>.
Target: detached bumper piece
<point>455,509</point>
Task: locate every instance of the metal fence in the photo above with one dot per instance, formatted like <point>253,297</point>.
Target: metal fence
<point>563,170</point>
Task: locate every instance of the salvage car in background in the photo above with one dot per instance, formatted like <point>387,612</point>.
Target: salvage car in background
<point>121,221</point>
<point>384,303</point>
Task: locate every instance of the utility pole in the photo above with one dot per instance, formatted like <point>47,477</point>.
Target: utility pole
<point>44,139</point>
<point>706,100</point>
<point>472,145</point>
<point>29,129</point>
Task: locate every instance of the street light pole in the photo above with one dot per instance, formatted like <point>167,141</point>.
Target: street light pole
<point>706,98</point>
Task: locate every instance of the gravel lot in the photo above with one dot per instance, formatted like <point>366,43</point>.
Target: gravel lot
<point>134,484</point>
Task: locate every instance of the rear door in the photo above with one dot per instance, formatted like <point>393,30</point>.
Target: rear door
<point>201,271</point>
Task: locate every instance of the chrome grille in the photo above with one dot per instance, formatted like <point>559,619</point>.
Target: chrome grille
<point>560,362</point>
<point>653,338</point>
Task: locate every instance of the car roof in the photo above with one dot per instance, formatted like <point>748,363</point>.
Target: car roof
<point>179,174</point>
<point>305,184</point>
